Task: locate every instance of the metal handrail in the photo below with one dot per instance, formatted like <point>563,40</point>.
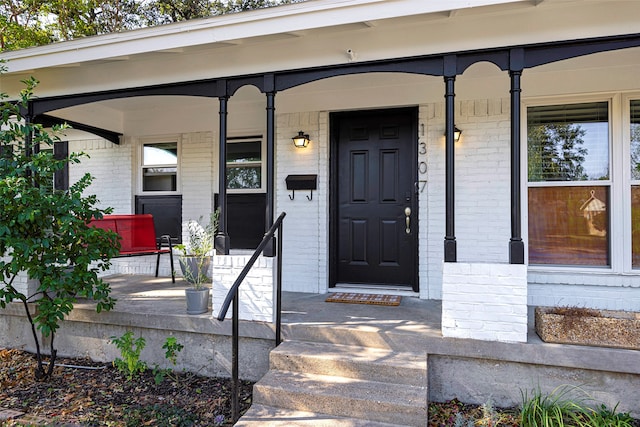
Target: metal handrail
<point>232,296</point>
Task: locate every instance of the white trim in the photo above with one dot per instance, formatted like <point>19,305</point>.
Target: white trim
<point>140,143</point>
<point>231,29</point>
<point>617,225</point>
<point>627,182</point>
<point>248,135</point>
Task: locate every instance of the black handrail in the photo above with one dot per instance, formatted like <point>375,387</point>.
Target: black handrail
<point>232,295</point>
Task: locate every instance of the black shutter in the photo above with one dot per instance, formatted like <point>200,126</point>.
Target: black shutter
<point>61,177</point>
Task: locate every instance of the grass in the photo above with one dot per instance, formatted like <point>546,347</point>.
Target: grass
<point>569,406</point>
<point>564,406</point>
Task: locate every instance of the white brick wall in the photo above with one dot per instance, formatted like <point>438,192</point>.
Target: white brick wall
<point>484,301</point>
<point>257,291</point>
<point>143,265</point>
<point>426,233</point>
<point>306,224</point>
<point>111,166</point>
<point>196,176</point>
<point>482,189</point>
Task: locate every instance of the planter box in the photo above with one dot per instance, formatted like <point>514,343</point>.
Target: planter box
<point>581,326</point>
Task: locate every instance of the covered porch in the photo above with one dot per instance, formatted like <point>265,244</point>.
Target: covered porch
<point>471,370</point>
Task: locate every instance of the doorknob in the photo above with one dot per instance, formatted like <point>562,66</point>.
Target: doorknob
<point>407,214</point>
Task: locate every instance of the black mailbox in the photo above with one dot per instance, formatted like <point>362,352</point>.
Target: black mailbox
<point>301,182</point>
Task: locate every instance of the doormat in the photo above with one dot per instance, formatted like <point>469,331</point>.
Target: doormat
<point>355,298</point>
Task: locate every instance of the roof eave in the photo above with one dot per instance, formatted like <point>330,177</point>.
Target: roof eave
<point>231,28</point>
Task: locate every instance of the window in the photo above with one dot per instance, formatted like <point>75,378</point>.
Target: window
<point>160,166</point>
<point>634,154</point>
<point>569,184</point>
<point>244,164</point>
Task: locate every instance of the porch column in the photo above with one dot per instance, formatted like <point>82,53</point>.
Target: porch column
<point>222,242</point>
<point>29,148</point>
<point>450,246</point>
<point>270,249</point>
<point>516,246</point>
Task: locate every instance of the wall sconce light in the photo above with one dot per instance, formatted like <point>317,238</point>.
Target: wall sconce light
<point>301,140</point>
<point>457,133</point>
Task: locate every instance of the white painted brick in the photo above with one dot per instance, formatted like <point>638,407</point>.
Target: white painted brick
<point>472,302</point>
<point>256,292</point>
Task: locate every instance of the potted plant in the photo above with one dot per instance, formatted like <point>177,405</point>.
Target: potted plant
<point>195,262</point>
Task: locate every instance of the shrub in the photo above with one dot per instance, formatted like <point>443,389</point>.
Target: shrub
<point>130,350</point>
<point>43,231</point>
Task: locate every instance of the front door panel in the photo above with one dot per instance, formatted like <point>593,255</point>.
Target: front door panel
<point>375,185</point>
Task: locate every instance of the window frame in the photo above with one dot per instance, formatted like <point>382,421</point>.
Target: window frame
<point>628,182</point>
<point>618,145</point>
<point>141,166</point>
<point>249,136</point>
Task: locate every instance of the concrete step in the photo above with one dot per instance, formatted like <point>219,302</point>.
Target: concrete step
<point>363,363</point>
<point>267,416</point>
<point>370,336</point>
<point>346,397</point>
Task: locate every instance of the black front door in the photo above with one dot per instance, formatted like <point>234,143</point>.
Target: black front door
<point>375,225</point>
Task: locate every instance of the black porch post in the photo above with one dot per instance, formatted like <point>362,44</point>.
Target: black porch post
<point>29,148</point>
<point>516,246</point>
<point>222,238</point>
<point>450,246</point>
<point>270,249</point>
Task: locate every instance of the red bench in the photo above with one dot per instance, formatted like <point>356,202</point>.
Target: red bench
<point>137,237</point>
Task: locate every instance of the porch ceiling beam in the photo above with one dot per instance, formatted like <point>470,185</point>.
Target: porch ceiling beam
<point>421,65</point>
<point>534,55</point>
<point>546,53</point>
<point>49,121</point>
<point>206,88</point>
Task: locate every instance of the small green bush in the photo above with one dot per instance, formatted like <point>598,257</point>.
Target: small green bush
<point>172,348</point>
<point>130,350</point>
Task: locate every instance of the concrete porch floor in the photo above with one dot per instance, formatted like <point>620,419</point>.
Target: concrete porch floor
<point>470,370</point>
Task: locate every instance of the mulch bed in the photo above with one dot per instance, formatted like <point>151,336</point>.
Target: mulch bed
<point>104,397</point>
